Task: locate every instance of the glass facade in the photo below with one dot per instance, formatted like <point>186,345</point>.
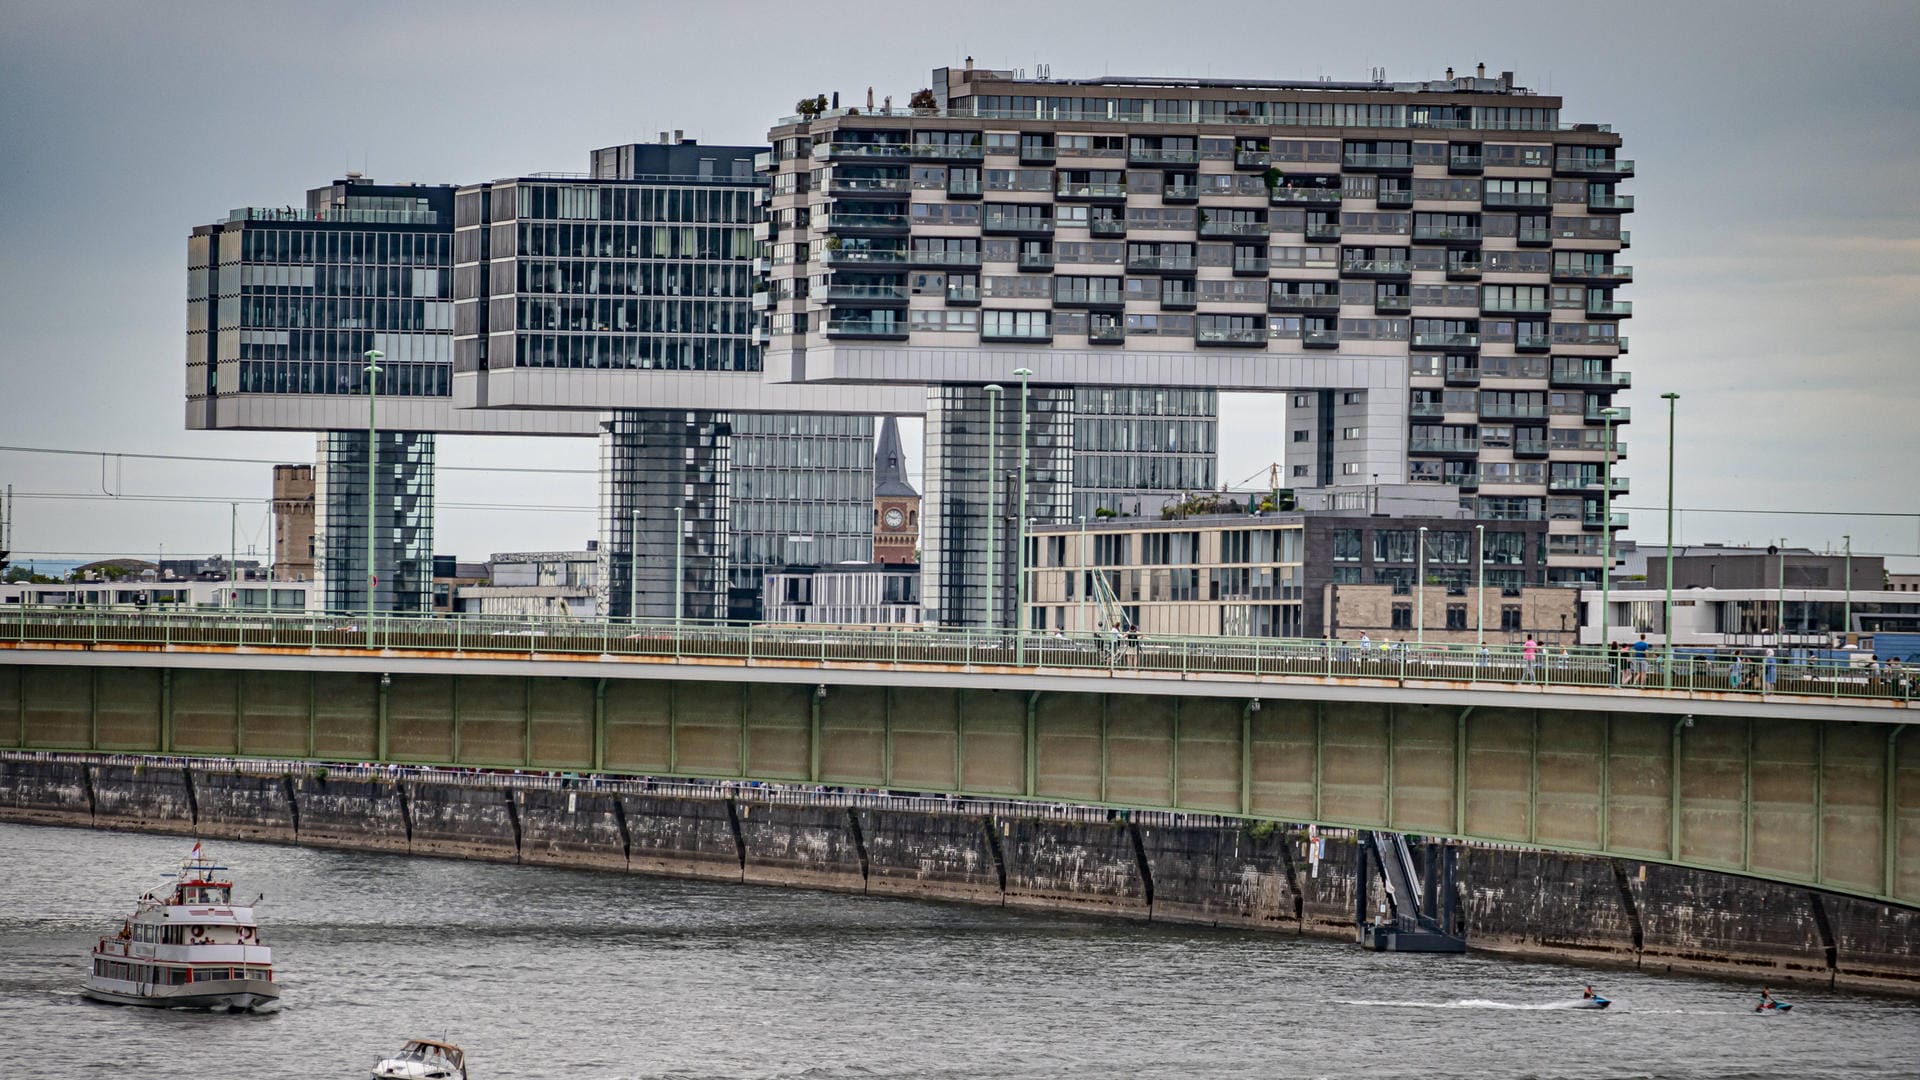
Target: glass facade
<point>652,464</point>
<point>953,547</point>
<point>802,494</point>
<point>1135,447</point>
<point>402,522</point>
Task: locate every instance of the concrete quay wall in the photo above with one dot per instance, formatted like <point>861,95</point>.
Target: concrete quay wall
<point>1530,904</point>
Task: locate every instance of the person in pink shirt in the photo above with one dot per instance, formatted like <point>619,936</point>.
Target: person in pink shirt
<point>1529,653</point>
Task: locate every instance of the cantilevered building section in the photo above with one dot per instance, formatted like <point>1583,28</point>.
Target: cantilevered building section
<point>1426,272</point>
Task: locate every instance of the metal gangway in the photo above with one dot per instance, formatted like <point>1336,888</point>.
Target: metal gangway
<point>1422,915</point>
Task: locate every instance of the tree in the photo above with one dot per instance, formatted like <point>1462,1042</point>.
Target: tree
<point>923,101</point>
<point>811,107</point>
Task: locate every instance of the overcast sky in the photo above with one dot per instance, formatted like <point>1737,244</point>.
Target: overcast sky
<point>1776,236</point>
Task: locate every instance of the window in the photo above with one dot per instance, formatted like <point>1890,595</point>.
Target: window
<point>1302,436</point>
<point>1353,397</point>
<point>1346,545</point>
<point>1350,433</point>
<point>1509,616</point>
<point>1403,616</point>
<point>1456,616</point>
<point>1303,401</point>
<point>1299,470</point>
<point>1393,546</point>
<point>1351,468</point>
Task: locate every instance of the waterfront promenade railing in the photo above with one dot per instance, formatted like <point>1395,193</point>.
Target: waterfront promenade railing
<point>1505,665</point>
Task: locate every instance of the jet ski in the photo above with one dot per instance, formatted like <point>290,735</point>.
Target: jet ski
<point>1773,1007</point>
<point>1595,1002</point>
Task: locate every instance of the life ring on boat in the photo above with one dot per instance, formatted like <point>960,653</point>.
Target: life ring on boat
<point>199,931</point>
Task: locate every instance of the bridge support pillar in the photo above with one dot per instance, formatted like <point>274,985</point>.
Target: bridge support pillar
<point>1890,830</point>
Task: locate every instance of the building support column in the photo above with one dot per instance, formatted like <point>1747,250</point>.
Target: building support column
<point>813,735</point>
<point>599,725</point>
<point>1033,745</point>
<point>1890,828</point>
<point>1460,772</point>
<point>380,716</point>
<point>1673,791</point>
<point>166,710</point>
<point>1246,756</point>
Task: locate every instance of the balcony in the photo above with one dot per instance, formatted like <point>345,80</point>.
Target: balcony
<point>1106,335</point>
<point>862,150</point>
<point>1436,234</point>
<point>1376,268</point>
<point>944,258</point>
<point>1580,378</point>
<point>1443,447</point>
<point>761,301</point>
<point>962,189</point>
<point>1252,338</point>
<point>876,295</point>
<point>1217,229</point>
<point>1626,238</point>
<point>1534,238</point>
<point>1252,266</point>
<point>948,152</point>
<point>864,330</point>
<point>1446,341</point>
<point>1111,229</point>
<point>1394,198</point>
<point>1305,196</point>
<point>1015,224</point>
<point>1591,272</point>
<point>1180,194</point>
<point>1494,410</point>
<point>1320,339</point>
<point>1116,192</point>
<point>1609,204</point>
<point>1608,309</point>
<point>1038,155</point>
<point>1514,305</point>
<point>1252,160</point>
<point>763,161</point>
<point>1303,302</point>
<point>1427,409</point>
<point>1457,375</point>
<point>1595,522</point>
<point>1581,484</point>
<point>1161,264</point>
<point>1465,164</point>
<point>869,185</point>
<point>1177,299</point>
<point>1327,231</point>
<point>1145,155</point>
<point>1035,260</point>
<point>864,257</point>
<point>1393,304</point>
<point>1579,165</point>
<point>1622,414</point>
<point>1097,299</point>
<point>863,223</point>
<point>1531,342</point>
<point>963,296</point>
<point>1464,269</point>
<point>1529,448</point>
<point>1378,162</point>
<point>1512,199</point>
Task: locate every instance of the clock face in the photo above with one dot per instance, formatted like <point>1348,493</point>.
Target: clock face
<point>894,518</point>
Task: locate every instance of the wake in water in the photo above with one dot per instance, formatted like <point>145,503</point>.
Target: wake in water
<point>1466,1003</point>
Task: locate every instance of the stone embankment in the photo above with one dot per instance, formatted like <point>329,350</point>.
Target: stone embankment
<point>1155,867</point>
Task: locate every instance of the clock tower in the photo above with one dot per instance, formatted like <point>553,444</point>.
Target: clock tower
<point>896,505</point>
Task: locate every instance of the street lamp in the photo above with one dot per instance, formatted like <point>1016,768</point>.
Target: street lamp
<point>679,566</point>
<point>1420,593</point>
<point>1846,617</point>
<point>1606,523</point>
<point>373,454</point>
<point>1780,604</point>
<point>233,551</point>
<point>993,505</point>
<point>633,566</point>
<point>1667,623</point>
<point>1020,560</point>
<point>1086,599</point>
<point>1480,618</point>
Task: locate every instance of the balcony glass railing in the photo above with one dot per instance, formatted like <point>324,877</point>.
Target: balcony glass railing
<point>1151,155</point>
<point>1016,333</point>
<point>856,149</point>
<point>834,222</point>
<point>1516,198</point>
<point>860,184</point>
<point>1618,380</point>
<point>865,328</point>
<point>1212,227</point>
<point>1231,336</point>
<point>1421,445</point>
<point>1497,410</point>
<point>1311,336</point>
<point>1285,301</point>
<point>1617,309</point>
<point>1446,341</point>
<point>1621,413</point>
<point>1159,262</point>
<point>1107,228</point>
<point>863,256</point>
<point>1427,409</point>
<point>963,187</point>
<point>1252,159</point>
<point>1307,196</point>
<point>1438,232</point>
<point>1375,266</point>
<point>1535,236</point>
<point>1531,341</point>
<point>1594,166</point>
<point>1593,272</point>
<point>1107,334</point>
<point>1468,162</point>
<point>1016,223</point>
<point>963,294</point>
<point>1091,191</point>
<point>1180,193</point>
<point>1322,230</point>
<point>948,152</point>
<point>1609,202</point>
<point>946,258</point>
<point>1035,260</point>
<point>865,292</point>
<point>1252,265</point>
<point>1509,305</point>
<point>1378,161</point>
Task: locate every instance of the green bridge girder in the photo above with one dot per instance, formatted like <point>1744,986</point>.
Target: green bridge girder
<point>1822,803</point>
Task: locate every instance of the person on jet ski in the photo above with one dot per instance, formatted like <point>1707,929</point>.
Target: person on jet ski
<point>1766,1001</point>
<point>1588,994</point>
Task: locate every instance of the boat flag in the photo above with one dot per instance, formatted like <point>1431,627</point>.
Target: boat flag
<point>196,851</point>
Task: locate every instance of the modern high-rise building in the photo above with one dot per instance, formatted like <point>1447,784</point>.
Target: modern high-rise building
<point>646,267</point>
<point>283,305</point>
<point>1424,273</point>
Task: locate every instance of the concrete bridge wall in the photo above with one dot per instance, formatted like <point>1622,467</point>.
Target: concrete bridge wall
<point>1588,909</point>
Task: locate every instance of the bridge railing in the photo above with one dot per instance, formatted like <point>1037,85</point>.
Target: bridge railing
<point>1693,671</point>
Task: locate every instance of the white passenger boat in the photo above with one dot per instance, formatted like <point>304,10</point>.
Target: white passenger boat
<point>192,947</point>
<point>423,1059</point>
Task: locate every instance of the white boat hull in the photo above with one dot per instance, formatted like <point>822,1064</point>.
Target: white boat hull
<point>236,994</point>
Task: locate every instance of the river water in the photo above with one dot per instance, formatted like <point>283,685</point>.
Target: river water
<point>599,976</point>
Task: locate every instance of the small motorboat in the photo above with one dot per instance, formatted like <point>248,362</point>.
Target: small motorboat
<point>1594,1002</point>
<point>423,1059</point>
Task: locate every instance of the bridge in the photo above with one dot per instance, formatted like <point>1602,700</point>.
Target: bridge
<point>1797,775</point>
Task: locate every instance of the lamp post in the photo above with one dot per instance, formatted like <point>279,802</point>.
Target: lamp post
<point>1420,592</point>
<point>993,505</point>
<point>1020,559</point>
<point>1667,620</point>
<point>1606,523</point>
<point>1780,601</point>
<point>1480,617</point>
<point>1085,599</point>
<point>233,551</point>
<point>679,566</point>
<point>373,454</point>
<point>633,566</point>
<point>1846,617</point>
